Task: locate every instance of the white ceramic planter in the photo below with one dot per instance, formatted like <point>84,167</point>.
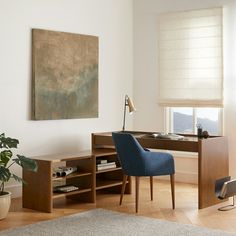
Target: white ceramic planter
<point>5,202</point>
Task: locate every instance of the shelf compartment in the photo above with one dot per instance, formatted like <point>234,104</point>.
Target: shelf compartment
<point>61,195</point>
<point>73,175</point>
<point>102,152</point>
<point>102,184</point>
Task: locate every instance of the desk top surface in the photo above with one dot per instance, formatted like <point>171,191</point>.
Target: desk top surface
<point>149,135</point>
<point>189,143</point>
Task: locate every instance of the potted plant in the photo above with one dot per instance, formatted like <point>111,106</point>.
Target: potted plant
<point>7,160</point>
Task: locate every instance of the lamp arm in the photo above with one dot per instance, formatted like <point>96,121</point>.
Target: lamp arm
<point>123,129</point>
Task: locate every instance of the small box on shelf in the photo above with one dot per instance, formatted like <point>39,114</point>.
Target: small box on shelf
<point>101,161</point>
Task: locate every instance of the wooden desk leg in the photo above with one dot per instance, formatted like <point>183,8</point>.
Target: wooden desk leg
<point>151,187</point>
<point>213,164</point>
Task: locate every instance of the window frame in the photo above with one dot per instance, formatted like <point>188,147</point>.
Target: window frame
<point>168,120</point>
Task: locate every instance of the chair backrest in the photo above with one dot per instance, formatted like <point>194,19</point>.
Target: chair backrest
<point>129,153</point>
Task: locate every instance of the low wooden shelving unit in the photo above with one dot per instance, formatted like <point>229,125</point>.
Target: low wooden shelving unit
<point>38,193</point>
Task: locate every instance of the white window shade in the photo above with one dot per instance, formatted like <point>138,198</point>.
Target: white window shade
<point>190,58</point>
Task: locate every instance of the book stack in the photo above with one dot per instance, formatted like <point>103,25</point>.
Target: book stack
<point>103,164</point>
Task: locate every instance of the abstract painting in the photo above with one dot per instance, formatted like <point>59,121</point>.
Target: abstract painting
<point>65,75</point>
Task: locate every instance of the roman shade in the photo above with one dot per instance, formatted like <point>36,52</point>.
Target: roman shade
<point>190,58</point>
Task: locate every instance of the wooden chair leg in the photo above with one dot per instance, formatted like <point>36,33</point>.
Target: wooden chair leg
<point>172,182</point>
<point>123,188</point>
<point>151,187</point>
<point>136,193</point>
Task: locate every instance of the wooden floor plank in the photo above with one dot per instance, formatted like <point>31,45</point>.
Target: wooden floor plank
<point>186,207</point>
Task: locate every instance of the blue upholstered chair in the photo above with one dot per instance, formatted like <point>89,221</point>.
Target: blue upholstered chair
<point>137,161</point>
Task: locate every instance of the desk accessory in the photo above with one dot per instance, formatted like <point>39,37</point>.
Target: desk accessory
<point>65,170</point>
<point>225,188</point>
<point>199,130</point>
<point>170,136</point>
<point>128,103</point>
<point>205,134</point>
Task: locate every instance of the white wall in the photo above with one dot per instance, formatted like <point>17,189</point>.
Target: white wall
<point>150,115</point>
<point>112,21</point>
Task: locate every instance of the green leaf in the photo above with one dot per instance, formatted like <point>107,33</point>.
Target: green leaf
<point>5,174</point>
<point>18,179</point>
<point>26,163</point>
<point>6,142</point>
<point>5,157</point>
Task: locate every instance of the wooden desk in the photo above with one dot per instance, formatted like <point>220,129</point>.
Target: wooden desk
<point>212,152</point>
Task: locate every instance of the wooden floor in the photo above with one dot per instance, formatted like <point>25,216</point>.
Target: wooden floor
<point>186,208</point>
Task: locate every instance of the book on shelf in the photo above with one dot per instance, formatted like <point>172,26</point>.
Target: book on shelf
<point>106,166</point>
<point>65,188</point>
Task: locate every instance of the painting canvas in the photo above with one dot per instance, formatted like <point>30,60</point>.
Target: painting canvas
<point>65,75</point>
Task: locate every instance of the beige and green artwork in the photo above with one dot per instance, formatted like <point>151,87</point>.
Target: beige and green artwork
<point>65,75</point>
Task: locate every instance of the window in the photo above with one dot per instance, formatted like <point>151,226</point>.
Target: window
<point>185,119</point>
<point>190,45</point>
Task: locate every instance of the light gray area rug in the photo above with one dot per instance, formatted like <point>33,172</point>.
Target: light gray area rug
<point>103,222</point>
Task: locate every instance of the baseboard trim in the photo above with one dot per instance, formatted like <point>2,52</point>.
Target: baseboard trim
<point>187,177</point>
<point>183,177</point>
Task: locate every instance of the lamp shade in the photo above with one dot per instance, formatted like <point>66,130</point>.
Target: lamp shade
<point>130,105</point>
